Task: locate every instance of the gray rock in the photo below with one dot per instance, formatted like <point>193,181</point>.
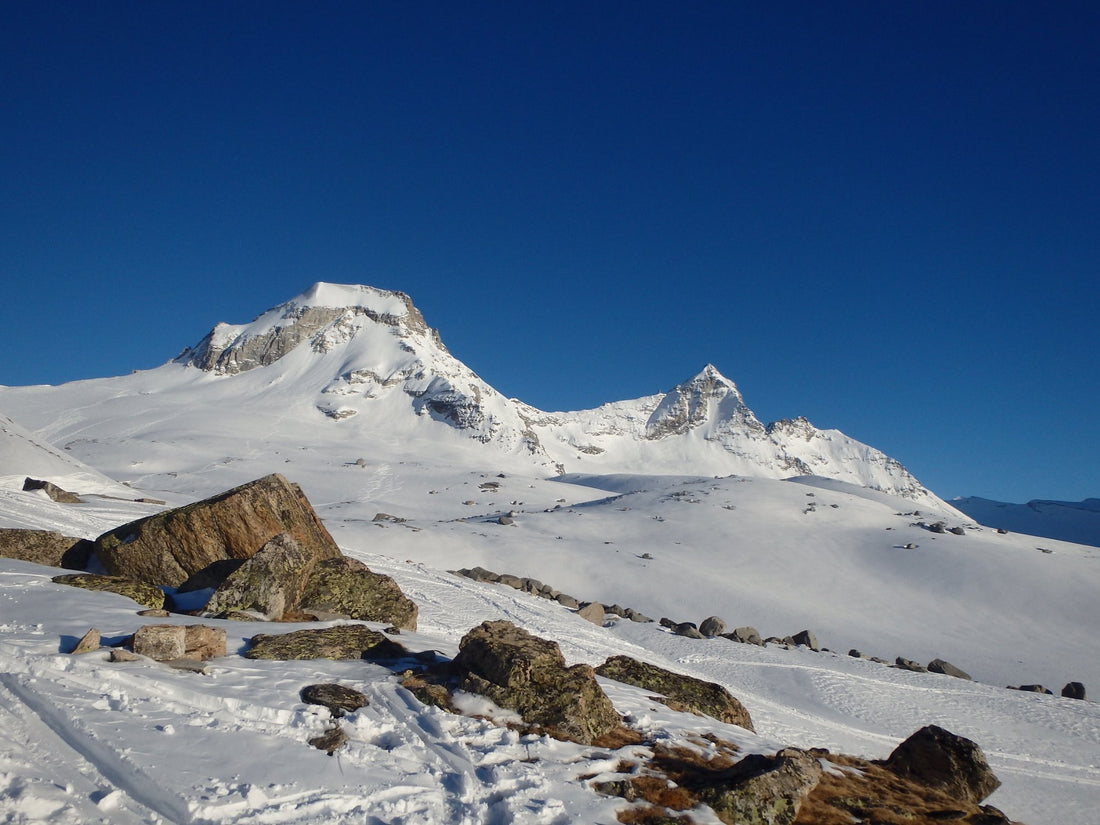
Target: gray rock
<point>712,626</point>
<point>946,762</point>
<point>528,674</point>
<point>506,520</point>
<point>940,666</point>
<point>807,638</point>
<point>681,692</point>
<point>1033,689</point>
<point>1074,690</point>
<point>565,600</point>
<point>764,790</point>
<point>349,641</point>
<point>592,612</point>
<point>270,582</point>
<point>52,490</point>
<point>510,580</point>
<point>958,531</point>
<point>119,654</point>
<point>908,664</point>
<point>747,635</point>
<point>339,699</point>
<point>87,643</point>
<point>687,630</point>
<point>161,642</point>
<point>170,547</point>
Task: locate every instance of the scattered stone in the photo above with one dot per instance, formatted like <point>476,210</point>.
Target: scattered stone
<point>52,490</point>
<point>855,654</point>
<point>87,643</point>
<point>351,641</point>
<point>346,587</point>
<point>190,665</point>
<point>938,527</point>
<point>908,664</point>
<point>119,654</point>
<point>942,760</point>
<point>144,594</point>
<point>528,674</point>
<point>478,574</point>
<point>712,626</point>
<point>339,699</point>
<point>911,546</point>
<point>388,517</point>
<point>687,630</point>
<point>203,642</point>
<point>636,616</point>
<point>565,600</point>
<point>646,556</point>
<point>958,531</point>
<point>170,547</point>
<point>270,582</point>
<point>506,520</point>
<point>1074,690</point>
<point>592,612</point>
<point>510,580</point>
<point>154,614</point>
<point>940,666</point>
<point>45,547</point>
<point>807,638</point>
<point>745,635</point>
<point>684,693</point>
<point>330,741</point>
<point>1033,689</point>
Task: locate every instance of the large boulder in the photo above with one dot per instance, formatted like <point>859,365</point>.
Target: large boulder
<point>763,790</point>
<point>712,626</point>
<point>528,674</point>
<point>681,692</point>
<point>269,583</point>
<point>349,641</point>
<point>347,587</point>
<point>144,594</point>
<point>942,760</point>
<point>169,547</point>
<point>45,547</point>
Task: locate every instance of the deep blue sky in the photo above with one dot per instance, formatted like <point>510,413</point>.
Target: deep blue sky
<point>883,216</point>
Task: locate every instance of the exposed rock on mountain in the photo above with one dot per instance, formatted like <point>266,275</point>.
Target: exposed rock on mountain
<point>171,546</point>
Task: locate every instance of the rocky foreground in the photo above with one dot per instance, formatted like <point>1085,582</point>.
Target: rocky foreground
<point>259,552</point>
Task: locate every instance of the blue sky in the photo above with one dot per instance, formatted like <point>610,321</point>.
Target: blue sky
<point>882,216</point>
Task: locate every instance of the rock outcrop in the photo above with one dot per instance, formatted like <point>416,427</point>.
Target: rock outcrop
<point>169,547</point>
<point>942,760</point>
<point>45,547</point>
<point>528,674</point>
<point>681,692</point>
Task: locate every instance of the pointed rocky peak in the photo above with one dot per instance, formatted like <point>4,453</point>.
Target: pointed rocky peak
<point>325,315</point>
<point>708,399</point>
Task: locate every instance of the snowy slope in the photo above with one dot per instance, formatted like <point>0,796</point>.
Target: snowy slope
<point>1077,521</point>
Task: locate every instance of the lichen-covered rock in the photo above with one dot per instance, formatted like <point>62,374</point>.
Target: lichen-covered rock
<point>763,790</point>
<point>339,699</point>
<point>352,641</point>
<point>170,547</point>
<point>681,692</point>
<point>942,760</point>
<point>144,594</point>
<point>270,583</point>
<point>528,674</point>
<point>347,587</point>
<point>45,547</point>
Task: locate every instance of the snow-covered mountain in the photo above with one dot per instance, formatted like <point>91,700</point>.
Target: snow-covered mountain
<point>681,504</point>
<point>364,363</point>
<point>1076,521</point>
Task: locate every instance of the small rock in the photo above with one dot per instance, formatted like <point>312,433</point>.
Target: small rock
<point>565,600</point>
<point>119,654</point>
<point>161,642</point>
<point>330,741</point>
<point>1033,689</point>
<point>948,669</point>
<point>52,490</point>
<point>688,630</point>
<point>592,612</point>
<point>506,520</point>
<point>908,664</point>
<point>746,635</point>
<point>1074,690</point>
<point>855,654</point>
<point>87,643</point>
<point>807,638</point>
<point>190,665</point>
<point>339,699</point>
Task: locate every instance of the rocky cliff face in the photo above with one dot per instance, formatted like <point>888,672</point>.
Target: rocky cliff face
<point>368,352</point>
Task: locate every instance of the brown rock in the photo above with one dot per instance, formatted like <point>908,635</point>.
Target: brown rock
<point>528,674</point>
<point>45,547</point>
<point>331,740</point>
<point>939,759</point>
<point>169,547</point>
<point>87,643</point>
<point>203,642</point>
<point>592,612</point>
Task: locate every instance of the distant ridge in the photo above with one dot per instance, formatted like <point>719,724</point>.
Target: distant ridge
<point>1075,521</point>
